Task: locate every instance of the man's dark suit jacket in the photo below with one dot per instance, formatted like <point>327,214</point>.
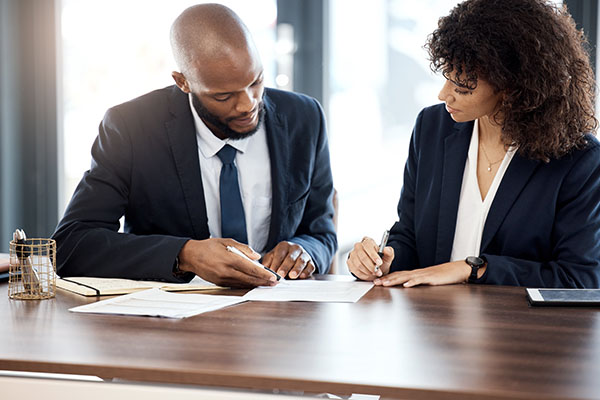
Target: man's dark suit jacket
<point>543,227</point>
<point>145,166</point>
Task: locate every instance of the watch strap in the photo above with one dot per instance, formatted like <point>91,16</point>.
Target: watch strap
<point>176,270</point>
<point>475,263</point>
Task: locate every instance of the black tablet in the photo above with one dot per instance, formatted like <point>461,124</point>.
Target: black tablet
<point>564,297</point>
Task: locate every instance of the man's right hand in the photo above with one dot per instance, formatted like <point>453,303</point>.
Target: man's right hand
<point>211,261</point>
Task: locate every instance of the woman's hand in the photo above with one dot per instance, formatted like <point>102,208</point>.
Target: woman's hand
<point>365,263</point>
<point>442,274</point>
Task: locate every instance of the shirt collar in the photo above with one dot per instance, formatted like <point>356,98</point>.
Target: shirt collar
<point>209,144</point>
<point>474,146</point>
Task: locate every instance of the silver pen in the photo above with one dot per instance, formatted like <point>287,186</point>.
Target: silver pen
<point>382,245</point>
<point>29,277</point>
<point>237,251</point>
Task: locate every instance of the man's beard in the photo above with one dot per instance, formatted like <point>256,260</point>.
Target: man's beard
<point>222,128</point>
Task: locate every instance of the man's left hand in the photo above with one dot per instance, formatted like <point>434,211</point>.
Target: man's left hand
<point>289,260</point>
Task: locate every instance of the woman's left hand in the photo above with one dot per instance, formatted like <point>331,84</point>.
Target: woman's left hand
<point>442,274</point>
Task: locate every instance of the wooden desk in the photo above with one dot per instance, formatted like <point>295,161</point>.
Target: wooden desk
<point>452,342</point>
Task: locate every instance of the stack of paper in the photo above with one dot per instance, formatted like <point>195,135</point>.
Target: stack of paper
<point>311,290</point>
<point>157,303</point>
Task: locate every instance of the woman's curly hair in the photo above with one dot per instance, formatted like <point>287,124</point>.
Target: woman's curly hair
<point>530,51</point>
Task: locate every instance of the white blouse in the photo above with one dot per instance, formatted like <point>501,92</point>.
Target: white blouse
<point>472,211</point>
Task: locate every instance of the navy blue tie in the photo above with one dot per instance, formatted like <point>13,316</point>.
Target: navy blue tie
<point>233,221</point>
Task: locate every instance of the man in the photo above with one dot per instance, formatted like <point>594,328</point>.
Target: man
<point>215,161</point>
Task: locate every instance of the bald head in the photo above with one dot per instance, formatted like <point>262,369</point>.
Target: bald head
<point>220,69</point>
<point>208,32</point>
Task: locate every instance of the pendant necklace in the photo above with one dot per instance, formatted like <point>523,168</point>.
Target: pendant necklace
<point>490,164</point>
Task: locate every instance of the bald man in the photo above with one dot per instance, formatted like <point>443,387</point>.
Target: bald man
<point>215,161</point>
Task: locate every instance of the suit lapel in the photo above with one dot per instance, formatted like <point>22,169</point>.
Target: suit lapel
<point>277,140</point>
<point>455,156</point>
<point>182,139</point>
<point>514,180</point>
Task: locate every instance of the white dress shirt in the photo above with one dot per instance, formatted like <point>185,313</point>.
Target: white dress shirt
<point>254,175</point>
<point>472,211</point>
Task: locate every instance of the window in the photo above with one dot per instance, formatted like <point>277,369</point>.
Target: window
<point>379,80</point>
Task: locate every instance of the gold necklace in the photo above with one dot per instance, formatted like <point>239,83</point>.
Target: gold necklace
<point>490,164</point>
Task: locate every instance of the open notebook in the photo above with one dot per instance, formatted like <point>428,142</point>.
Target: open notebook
<point>87,286</point>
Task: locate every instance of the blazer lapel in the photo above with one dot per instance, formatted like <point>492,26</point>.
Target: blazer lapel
<point>277,140</point>
<point>514,180</point>
<point>182,139</point>
<point>455,156</point>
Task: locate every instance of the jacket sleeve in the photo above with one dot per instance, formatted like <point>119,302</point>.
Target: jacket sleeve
<point>316,232</point>
<point>88,239</point>
<point>575,261</point>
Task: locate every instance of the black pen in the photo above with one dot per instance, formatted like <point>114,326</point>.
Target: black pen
<point>382,245</point>
<point>239,253</point>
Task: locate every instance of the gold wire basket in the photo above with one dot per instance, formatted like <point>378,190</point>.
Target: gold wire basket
<point>31,274</point>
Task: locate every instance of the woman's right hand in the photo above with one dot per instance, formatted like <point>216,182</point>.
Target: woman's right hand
<point>364,260</point>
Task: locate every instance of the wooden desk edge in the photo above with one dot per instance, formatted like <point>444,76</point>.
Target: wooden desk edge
<point>254,382</point>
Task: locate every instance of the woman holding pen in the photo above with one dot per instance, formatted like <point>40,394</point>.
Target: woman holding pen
<point>502,181</point>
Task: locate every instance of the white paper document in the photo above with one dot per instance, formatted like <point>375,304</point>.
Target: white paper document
<point>311,290</point>
<point>158,303</point>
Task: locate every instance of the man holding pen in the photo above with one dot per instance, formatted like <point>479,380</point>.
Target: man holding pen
<point>215,161</point>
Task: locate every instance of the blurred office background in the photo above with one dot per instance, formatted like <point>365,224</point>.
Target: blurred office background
<point>64,62</point>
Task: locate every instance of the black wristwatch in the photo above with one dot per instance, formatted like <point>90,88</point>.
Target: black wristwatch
<point>475,263</point>
<point>176,271</point>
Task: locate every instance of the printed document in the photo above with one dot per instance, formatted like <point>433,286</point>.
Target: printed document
<point>158,303</point>
<point>311,290</point>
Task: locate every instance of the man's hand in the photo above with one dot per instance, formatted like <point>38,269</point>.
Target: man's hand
<point>289,260</point>
<point>211,261</point>
<point>442,274</point>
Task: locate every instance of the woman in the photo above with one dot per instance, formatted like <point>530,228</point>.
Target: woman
<point>502,182</point>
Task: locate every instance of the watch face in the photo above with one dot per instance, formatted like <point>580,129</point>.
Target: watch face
<point>475,261</point>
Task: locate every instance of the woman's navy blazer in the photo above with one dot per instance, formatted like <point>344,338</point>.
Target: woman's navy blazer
<point>543,227</point>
